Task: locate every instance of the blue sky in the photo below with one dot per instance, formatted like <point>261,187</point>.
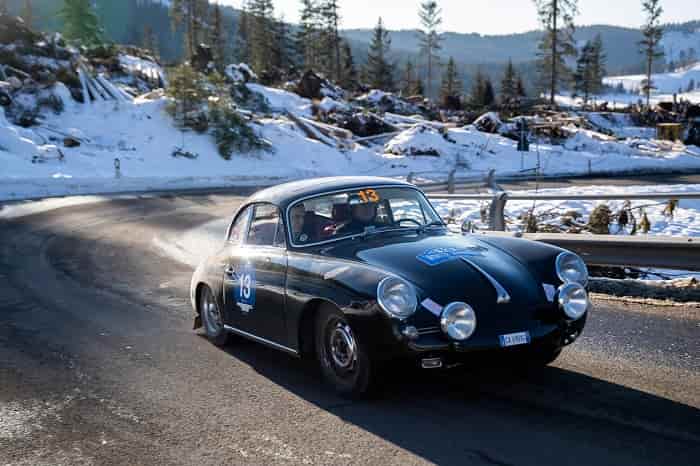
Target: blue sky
<point>489,16</point>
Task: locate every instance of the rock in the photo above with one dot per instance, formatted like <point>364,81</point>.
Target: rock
<point>70,142</point>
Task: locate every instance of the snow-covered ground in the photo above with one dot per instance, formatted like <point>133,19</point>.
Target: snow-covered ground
<point>141,135</point>
<point>665,83</point>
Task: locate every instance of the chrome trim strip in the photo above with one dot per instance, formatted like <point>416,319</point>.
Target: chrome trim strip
<point>313,196</point>
<point>502,296</point>
<point>228,328</point>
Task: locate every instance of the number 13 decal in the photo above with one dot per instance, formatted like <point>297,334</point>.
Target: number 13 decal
<point>245,294</point>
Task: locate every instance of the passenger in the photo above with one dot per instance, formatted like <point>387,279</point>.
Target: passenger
<point>301,231</point>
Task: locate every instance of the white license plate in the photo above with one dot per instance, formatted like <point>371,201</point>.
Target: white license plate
<point>514,339</point>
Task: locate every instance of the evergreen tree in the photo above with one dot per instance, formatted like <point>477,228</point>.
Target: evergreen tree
<point>557,19</point>
<point>451,88</point>
<point>308,35</point>
<point>262,35</point>
<point>509,84</point>
<point>217,37</point>
<point>242,40</point>
<point>28,13</point>
<point>379,71</point>
<point>80,22</point>
<point>409,80</point>
<point>430,40</point>
<point>653,33</point>
<point>482,93</point>
<point>520,91</point>
<point>192,14</point>
<point>283,48</point>
<point>330,20</point>
<point>348,78</point>
<point>148,40</point>
<point>584,78</point>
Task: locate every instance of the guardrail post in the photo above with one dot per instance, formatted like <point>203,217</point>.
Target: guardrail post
<point>497,220</point>
<point>451,182</point>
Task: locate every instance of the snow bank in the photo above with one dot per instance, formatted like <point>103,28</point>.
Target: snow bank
<point>281,101</point>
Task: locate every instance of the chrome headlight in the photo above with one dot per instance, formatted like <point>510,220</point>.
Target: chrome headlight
<point>397,297</point>
<point>573,300</point>
<point>458,321</point>
<point>571,269</point>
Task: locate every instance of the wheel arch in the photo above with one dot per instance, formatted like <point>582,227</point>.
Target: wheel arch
<point>307,325</point>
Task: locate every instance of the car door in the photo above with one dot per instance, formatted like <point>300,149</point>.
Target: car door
<point>256,278</point>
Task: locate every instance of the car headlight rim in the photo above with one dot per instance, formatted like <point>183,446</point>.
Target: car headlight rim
<point>568,262</point>
<point>397,297</point>
<point>458,321</point>
<point>573,300</point>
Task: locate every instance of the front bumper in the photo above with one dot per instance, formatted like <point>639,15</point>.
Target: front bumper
<point>433,343</point>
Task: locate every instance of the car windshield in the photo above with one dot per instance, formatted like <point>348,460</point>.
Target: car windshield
<point>361,211</point>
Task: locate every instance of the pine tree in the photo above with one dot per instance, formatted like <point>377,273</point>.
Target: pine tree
<point>282,48</point>
<point>28,13</point>
<point>148,40</point>
<point>451,88</point>
<point>348,75</point>
<point>409,80</point>
<point>262,35</point>
<point>482,93</point>
<point>330,20</point>
<point>217,37</point>
<point>308,35</point>
<point>242,35</point>
<point>520,91</point>
<point>192,14</point>
<point>508,84</point>
<point>584,77</point>
<point>80,22</point>
<point>379,71</point>
<point>430,40</point>
<point>557,19</point>
<point>653,33</point>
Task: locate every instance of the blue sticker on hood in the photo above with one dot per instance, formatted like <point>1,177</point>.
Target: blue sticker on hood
<point>438,256</point>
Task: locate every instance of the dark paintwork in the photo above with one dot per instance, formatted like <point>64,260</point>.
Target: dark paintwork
<point>346,273</point>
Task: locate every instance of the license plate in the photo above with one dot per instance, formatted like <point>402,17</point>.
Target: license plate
<point>514,339</point>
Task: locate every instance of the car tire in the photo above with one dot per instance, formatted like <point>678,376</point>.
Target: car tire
<point>345,363</point>
<point>211,318</point>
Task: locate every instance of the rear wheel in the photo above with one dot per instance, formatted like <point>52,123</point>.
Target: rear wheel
<point>344,361</point>
<point>212,320</point>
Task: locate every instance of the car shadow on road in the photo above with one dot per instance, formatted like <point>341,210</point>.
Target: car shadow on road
<point>487,416</point>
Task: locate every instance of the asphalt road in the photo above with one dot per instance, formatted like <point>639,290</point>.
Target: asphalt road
<point>99,365</point>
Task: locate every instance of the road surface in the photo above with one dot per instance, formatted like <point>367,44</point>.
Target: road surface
<point>99,365</point>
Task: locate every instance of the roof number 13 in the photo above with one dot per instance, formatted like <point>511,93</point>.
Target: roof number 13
<point>369,195</point>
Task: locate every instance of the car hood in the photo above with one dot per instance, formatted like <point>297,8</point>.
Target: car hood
<point>447,267</point>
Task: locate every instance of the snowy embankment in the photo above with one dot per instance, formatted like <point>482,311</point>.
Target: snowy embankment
<point>141,135</point>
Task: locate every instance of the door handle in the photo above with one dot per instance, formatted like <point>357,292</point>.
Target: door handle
<point>230,272</point>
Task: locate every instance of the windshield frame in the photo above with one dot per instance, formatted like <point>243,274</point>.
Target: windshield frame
<point>290,235</point>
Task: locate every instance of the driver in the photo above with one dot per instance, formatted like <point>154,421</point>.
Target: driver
<point>362,215</point>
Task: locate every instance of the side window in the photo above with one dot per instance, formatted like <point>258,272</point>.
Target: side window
<point>239,228</point>
<point>263,228</point>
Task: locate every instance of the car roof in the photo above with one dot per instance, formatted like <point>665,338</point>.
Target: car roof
<point>285,194</point>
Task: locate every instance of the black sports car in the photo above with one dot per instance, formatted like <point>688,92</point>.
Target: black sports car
<point>358,272</point>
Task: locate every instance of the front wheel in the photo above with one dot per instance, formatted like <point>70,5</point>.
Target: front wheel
<point>212,320</point>
<point>344,361</point>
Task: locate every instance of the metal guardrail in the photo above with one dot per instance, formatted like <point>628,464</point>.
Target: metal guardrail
<point>630,251</point>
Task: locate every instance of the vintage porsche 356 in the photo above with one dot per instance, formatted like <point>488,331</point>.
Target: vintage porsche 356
<point>358,272</point>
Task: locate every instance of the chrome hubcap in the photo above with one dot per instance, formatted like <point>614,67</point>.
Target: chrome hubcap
<point>342,347</point>
<point>211,313</point>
